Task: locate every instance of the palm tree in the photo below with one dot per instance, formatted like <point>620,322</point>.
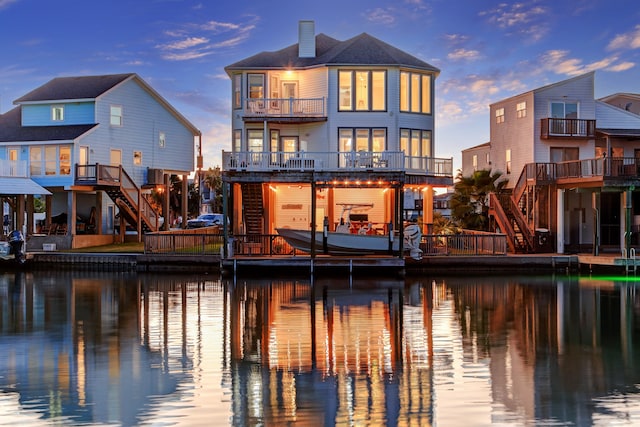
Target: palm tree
<point>470,200</point>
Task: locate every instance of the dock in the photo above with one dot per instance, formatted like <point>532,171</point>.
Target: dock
<point>356,265</point>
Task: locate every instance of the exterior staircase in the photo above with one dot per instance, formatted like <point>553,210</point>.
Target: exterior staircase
<point>119,186</point>
<point>253,210</point>
<point>513,211</point>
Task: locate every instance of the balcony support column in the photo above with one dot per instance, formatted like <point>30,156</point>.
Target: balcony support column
<point>560,221</point>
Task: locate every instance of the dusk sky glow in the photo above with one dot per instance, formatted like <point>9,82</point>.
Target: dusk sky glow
<point>486,50</point>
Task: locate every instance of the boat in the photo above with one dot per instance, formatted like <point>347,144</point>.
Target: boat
<point>343,242</point>
<point>340,243</point>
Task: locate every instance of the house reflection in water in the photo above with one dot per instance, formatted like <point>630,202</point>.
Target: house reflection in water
<point>70,348</point>
<point>326,354</point>
<point>128,349</point>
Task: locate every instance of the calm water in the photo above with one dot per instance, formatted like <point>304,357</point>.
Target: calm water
<point>126,349</point>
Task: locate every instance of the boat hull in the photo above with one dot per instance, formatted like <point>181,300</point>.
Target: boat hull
<point>339,243</point>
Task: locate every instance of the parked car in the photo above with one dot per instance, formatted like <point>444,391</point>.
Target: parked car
<point>206,220</point>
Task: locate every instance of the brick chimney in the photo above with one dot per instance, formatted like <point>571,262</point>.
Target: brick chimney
<point>306,39</point>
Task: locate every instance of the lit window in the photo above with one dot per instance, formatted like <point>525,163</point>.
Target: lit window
<point>256,86</point>
<point>237,140</point>
<point>57,113</point>
<point>475,162</point>
<point>507,158</point>
<point>137,158</point>
<point>115,115</point>
<point>255,140</point>
<point>500,115</point>
<point>162,139</point>
<point>521,110</point>
<point>237,91</point>
<point>65,160</point>
<point>362,90</point>
<point>415,92</point>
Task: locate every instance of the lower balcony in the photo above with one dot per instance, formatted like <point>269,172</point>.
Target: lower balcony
<point>391,161</point>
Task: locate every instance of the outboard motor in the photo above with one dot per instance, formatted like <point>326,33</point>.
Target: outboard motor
<point>412,236</point>
<point>16,241</point>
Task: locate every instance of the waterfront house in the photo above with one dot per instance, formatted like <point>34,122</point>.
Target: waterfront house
<point>97,145</point>
<point>323,124</point>
<point>572,164</point>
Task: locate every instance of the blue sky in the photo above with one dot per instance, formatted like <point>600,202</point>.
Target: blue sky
<point>486,50</point>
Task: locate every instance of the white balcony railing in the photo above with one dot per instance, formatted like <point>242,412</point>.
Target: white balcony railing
<point>284,107</point>
<point>13,168</point>
<point>392,161</point>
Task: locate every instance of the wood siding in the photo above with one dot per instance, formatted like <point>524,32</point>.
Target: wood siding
<point>75,113</point>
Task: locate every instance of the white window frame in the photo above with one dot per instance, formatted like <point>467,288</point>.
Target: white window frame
<point>521,109</point>
<point>137,158</point>
<point>162,139</point>
<point>57,113</point>
<point>500,115</point>
<point>115,115</point>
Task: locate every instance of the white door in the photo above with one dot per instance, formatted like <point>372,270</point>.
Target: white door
<point>115,158</point>
<point>290,94</point>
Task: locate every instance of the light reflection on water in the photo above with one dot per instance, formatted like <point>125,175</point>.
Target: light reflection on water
<point>126,349</point>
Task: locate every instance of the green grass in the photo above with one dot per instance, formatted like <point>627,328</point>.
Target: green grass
<point>128,247</point>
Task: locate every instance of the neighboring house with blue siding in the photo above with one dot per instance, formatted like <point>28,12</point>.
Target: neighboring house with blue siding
<point>325,123</point>
<point>98,144</point>
<point>573,167</point>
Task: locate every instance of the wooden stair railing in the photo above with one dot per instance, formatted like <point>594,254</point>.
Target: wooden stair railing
<point>253,208</point>
<point>521,222</point>
<point>496,210</point>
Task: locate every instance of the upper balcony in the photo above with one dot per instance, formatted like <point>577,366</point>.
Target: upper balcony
<point>385,161</point>
<point>567,128</point>
<point>13,168</point>
<point>284,109</point>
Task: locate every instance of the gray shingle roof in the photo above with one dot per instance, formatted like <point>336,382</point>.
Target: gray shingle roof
<point>83,87</point>
<point>619,132</point>
<point>359,50</point>
<point>12,131</point>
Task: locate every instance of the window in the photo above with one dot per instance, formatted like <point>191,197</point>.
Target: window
<point>366,139</point>
<point>563,154</point>
<point>362,90</point>
<point>237,140</point>
<point>415,92</point>
<point>57,113</point>
<point>416,142</point>
<point>137,158</point>
<point>115,115</point>
<point>564,110</point>
<point>507,157</point>
<point>50,159</point>
<point>255,141</point>
<point>65,160</point>
<point>162,139</point>
<point>475,162</point>
<point>521,110</point>
<point>256,86</point>
<point>237,90</point>
<point>35,161</point>
<point>500,115</point>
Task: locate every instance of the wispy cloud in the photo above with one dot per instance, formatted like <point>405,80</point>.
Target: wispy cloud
<point>559,62</point>
<point>464,54</point>
<point>381,16</point>
<point>630,40</point>
<point>521,19</point>
<point>6,3</point>
<point>197,40</point>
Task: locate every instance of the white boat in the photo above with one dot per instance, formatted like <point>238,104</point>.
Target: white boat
<point>343,242</point>
<point>340,243</point>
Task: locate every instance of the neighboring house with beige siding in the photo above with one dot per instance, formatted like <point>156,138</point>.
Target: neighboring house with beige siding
<point>572,163</point>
